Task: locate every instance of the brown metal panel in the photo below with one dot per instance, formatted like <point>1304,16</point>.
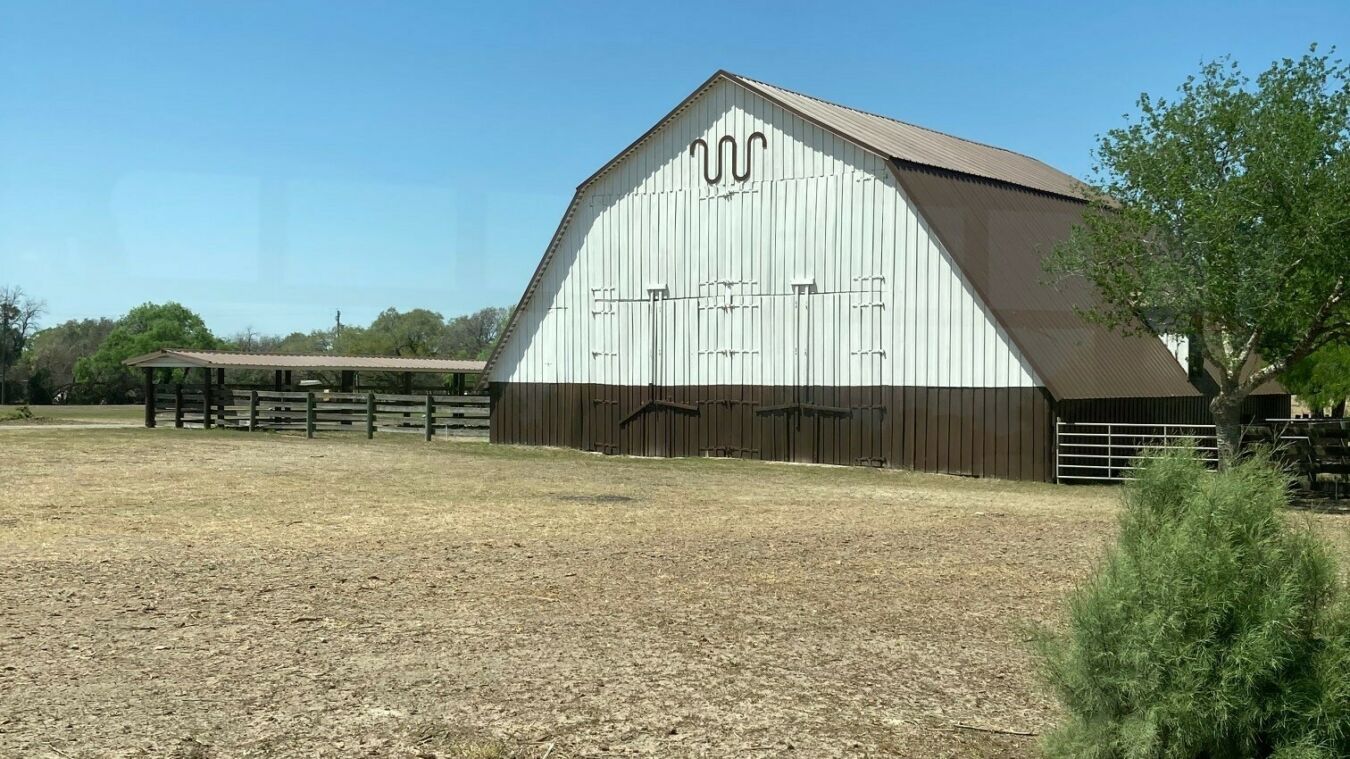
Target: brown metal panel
<point>1003,432</point>
<point>998,234</point>
<point>991,447</point>
<point>1045,435</point>
<point>774,436</point>
<point>901,436</point>
<point>932,429</point>
<point>949,430</point>
<point>968,438</point>
<point>1187,410</point>
<point>1023,457</point>
<point>897,139</point>
<point>999,445</point>
<point>913,429</point>
<point>677,422</point>
<point>978,425</point>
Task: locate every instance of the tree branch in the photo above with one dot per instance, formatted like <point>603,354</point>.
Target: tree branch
<point>1317,335</point>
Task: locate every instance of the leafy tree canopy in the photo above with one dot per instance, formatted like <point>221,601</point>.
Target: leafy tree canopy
<point>473,335</point>
<point>52,354</point>
<point>1322,380</point>
<point>144,329</point>
<point>1224,215</point>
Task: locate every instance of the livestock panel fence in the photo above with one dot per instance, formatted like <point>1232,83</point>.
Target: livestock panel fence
<point>1107,451</point>
<point>1314,451</point>
<point>431,415</point>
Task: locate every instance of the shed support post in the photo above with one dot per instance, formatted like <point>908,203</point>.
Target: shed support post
<point>431,411</point>
<point>178,405</point>
<point>220,377</point>
<point>149,397</point>
<point>286,378</point>
<point>407,383</point>
<point>252,410</point>
<point>207,406</point>
<point>370,415</point>
<point>276,380</point>
<point>309,415</point>
<point>346,381</point>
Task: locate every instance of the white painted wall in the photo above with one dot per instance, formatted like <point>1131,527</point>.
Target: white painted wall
<point>888,306</point>
<point>1180,348</point>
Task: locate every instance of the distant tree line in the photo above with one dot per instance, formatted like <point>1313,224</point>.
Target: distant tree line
<point>80,361</point>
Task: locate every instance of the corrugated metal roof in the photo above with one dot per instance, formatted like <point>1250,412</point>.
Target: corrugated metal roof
<point>882,135</point>
<point>998,235</point>
<point>916,144</point>
<point>175,358</point>
<point>997,212</point>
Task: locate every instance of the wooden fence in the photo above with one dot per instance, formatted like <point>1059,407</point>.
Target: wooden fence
<point>429,415</point>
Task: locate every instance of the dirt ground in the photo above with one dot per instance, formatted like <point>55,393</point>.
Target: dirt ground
<point>220,594</point>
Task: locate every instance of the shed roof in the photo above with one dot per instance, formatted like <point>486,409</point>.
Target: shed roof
<point>188,359</point>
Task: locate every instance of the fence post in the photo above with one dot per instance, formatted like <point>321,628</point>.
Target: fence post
<point>150,400</point>
<point>309,414</point>
<point>178,405</point>
<point>1110,453</point>
<point>370,416</point>
<point>206,400</point>
<point>252,410</point>
<point>426,434</point>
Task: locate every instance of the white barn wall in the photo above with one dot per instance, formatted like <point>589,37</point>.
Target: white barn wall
<point>890,308</point>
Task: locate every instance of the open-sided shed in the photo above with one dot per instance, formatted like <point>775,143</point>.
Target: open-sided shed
<point>213,366</point>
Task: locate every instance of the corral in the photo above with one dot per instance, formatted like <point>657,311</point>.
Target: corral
<point>216,594</point>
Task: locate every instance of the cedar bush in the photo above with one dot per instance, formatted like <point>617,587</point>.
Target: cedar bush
<point>1215,628</point>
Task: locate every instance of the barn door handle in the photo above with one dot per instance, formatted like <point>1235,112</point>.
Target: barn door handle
<point>653,405</point>
<point>802,408</point>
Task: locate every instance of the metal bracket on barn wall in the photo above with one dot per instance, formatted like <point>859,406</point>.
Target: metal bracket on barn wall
<point>736,173</point>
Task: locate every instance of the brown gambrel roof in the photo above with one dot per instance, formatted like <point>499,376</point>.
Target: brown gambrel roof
<point>997,213</point>
<point>190,359</point>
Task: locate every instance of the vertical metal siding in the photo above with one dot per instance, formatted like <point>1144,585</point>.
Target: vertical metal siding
<point>890,308</point>
<point>990,432</point>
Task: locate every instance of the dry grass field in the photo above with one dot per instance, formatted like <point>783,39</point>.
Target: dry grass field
<point>218,594</point>
<point>116,414</point>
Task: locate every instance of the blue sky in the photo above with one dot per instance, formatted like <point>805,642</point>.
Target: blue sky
<point>266,163</point>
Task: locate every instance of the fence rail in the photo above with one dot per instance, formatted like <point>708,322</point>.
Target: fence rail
<point>1106,451</point>
<point>430,415</point>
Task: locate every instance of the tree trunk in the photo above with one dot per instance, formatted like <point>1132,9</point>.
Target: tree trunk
<point>1226,407</point>
<point>1338,411</point>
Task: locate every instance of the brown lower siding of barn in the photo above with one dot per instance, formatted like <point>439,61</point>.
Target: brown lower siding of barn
<point>985,432</point>
<point>1192,410</point>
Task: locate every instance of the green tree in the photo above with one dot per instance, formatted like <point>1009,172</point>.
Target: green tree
<point>472,336</point>
<point>1215,628</point>
<point>51,357</point>
<point>19,316</point>
<point>144,329</point>
<point>1224,215</point>
<point>1322,380</point>
<point>418,332</point>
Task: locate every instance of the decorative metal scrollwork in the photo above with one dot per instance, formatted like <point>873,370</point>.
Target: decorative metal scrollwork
<point>736,173</point>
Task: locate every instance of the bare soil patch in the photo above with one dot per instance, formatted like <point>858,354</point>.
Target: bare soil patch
<point>220,594</point>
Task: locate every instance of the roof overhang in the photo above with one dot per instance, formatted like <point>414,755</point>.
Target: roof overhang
<point>201,359</point>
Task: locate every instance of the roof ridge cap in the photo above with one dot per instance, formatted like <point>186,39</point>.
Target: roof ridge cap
<point>902,122</point>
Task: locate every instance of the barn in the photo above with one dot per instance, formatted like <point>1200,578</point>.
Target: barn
<point>767,275</point>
